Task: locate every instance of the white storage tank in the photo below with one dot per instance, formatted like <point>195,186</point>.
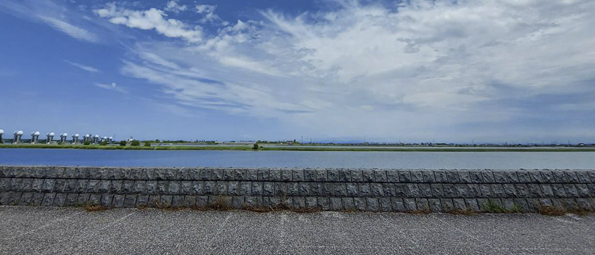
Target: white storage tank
<point>50,137</point>
<point>35,137</point>
<point>17,137</point>
<point>1,133</point>
<point>63,138</point>
<point>75,139</point>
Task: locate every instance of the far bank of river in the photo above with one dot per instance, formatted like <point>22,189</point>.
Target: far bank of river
<point>304,148</point>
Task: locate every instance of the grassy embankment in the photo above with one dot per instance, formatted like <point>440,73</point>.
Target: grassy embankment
<point>301,148</point>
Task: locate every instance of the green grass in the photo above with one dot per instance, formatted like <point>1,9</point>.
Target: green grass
<point>297,148</point>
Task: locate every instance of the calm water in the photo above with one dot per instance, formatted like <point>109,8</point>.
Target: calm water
<point>428,160</point>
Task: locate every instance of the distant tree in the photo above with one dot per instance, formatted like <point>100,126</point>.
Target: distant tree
<point>122,143</point>
<point>255,146</point>
<point>87,143</point>
<point>135,143</point>
<point>103,143</point>
<point>147,144</point>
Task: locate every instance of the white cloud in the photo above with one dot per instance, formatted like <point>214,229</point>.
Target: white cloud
<point>113,87</point>
<point>51,14</point>
<point>175,7</point>
<point>416,68</point>
<point>208,12</point>
<point>83,67</point>
<point>152,19</point>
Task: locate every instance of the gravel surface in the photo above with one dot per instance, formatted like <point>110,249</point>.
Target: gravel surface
<point>43,230</point>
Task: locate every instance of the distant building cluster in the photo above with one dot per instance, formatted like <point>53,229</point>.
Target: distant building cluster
<point>49,139</point>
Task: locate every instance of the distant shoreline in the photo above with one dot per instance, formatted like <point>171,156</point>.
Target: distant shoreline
<point>304,148</point>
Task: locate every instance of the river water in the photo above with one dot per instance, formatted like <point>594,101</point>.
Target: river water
<point>301,159</point>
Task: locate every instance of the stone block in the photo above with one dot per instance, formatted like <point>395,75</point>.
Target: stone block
<point>385,204</point>
<point>585,205</point>
<point>523,204</point>
<point>176,201</point>
<point>453,176</point>
<point>218,174</point>
<point>275,175</point>
<point>348,203</point>
<point>536,177</point>
<point>499,176</point>
<point>352,190</point>
<point>570,190</point>
<point>238,202</point>
<point>511,176</point>
<point>404,176</point>
<point>116,186</point>
<point>449,190</point>
<point>220,188</point>
<point>293,189</point>
<point>118,201</point>
<point>209,188</point>
<point>48,199</point>
<point>447,205</point>
<point>423,204</point>
<point>228,175</point>
<point>434,205</point>
<point>440,176</point>
<point>547,190</point>
<point>377,190</point>
<point>324,203</point>
<point>412,190</point>
<point>162,187</point>
<point>128,186</point>
<point>464,176</point>
<point>356,176</point>
<point>389,189</point>
<point>485,190</point>
<point>510,190</point>
<point>263,174</point>
<point>321,175</point>
<point>417,176</point>
<point>364,190</point>
<point>37,199</point>
<point>344,175</point>
<point>48,185</point>
<point>336,204</point>
<point>392,176</point>
<point>246,188</point>
<point>522,190</point>
<point>463,190</point>
<point>286,175</point>
<point>309,175</point>
<point>333,175</point>
<point>459,204</point>
<point>359,203</point>
<point>106,200</point>
<point>27,185</point>
<point>410,204</point>
<point>582,190</point>
<point>130,201</point>
<point>559,176</point>
<point>186,187</point>
<point>71,199</point>
<point>142,201</point>
<point>205,174</point>
<point>534,190</point>
<point>297,175</point>
<point>373,204</point>
<point>428,176</point>
<point>280,188</point>
<point>397,204</point>
<point>26,198</point>
<point>198,188</point>
<point>83,199</point>
<point>267,190</point>
<point>437,191</point>
<point>583,176</point>
<point>380,175</point>
<point>59,199</point>
<point>367,175</point>
<point>94,199</point>
<point>240,174</point>
<point>312,203</point>
<point>559,190</point>
<point>81,185</point>
<point>256,188</point>
<point>203,201</point>
<point>164,201</point>
<point>475,176</point>
<point>548,176</point>
<point>472,205</point>
<point>523,176</point>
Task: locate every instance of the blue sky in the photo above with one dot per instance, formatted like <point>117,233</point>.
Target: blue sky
<point>415,71</point>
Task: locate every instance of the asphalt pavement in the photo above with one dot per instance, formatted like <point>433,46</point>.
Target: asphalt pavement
<point>43,230</point>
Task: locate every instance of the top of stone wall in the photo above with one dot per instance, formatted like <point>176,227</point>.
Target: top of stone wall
<point>302,175</point>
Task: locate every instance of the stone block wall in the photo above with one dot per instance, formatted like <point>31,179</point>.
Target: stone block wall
<point>324,189</point>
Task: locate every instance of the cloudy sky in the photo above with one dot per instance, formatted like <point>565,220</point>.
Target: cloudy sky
<point>415,71</point>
